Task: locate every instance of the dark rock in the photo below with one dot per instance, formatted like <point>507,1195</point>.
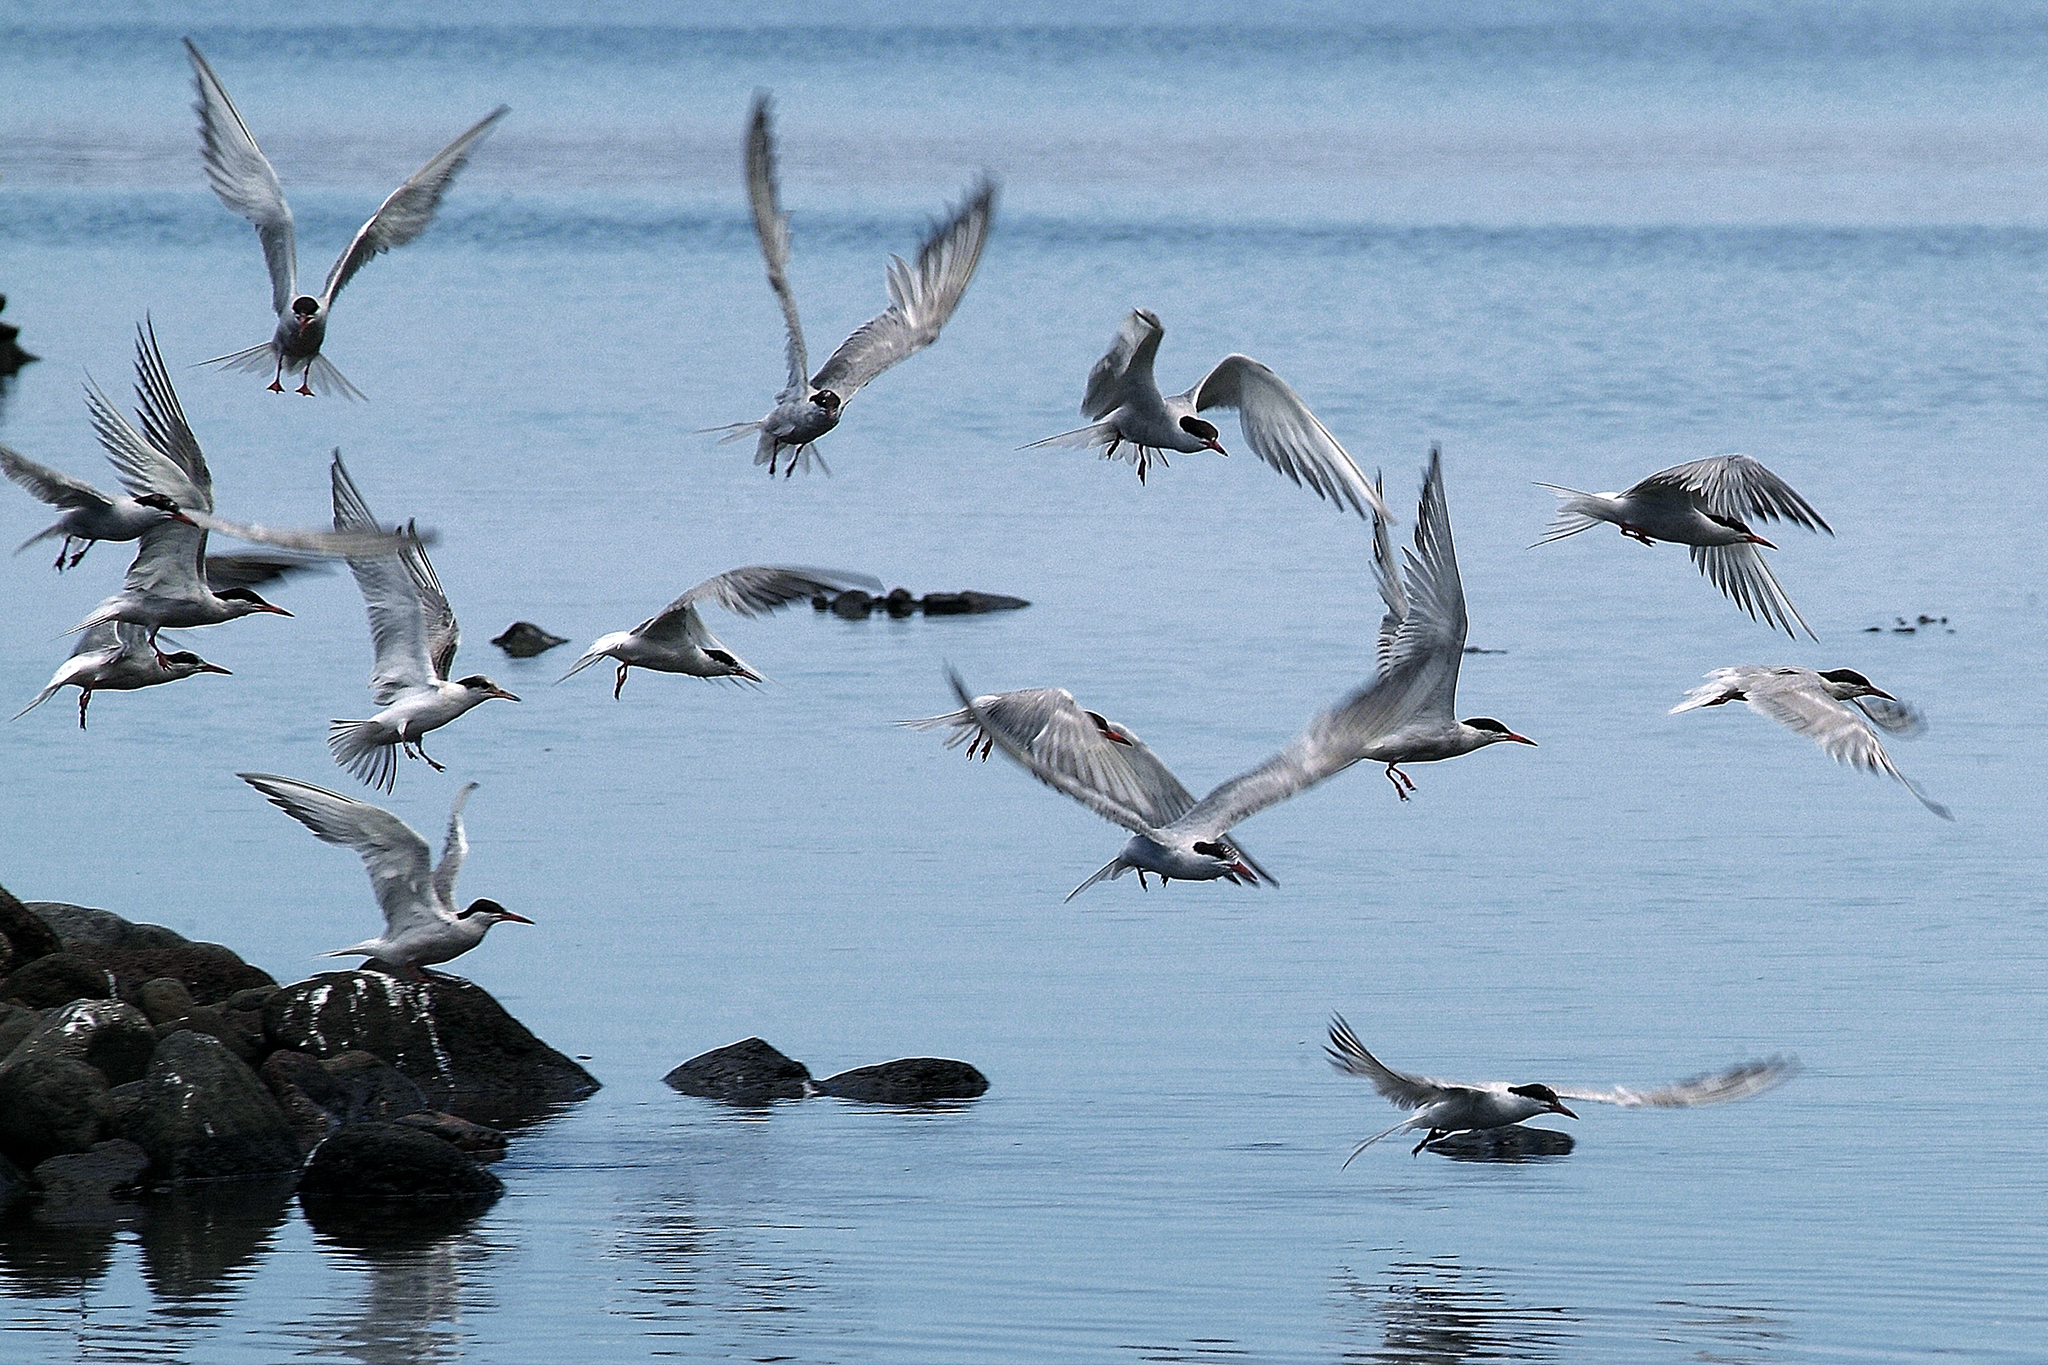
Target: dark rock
<point>14,1183</point>
<point>92,1179</point>
<point>853,604</point>
<point>203,1114</point>
<point>321,1096</point>
<point>969,603</point>
<point>746,1072</point>
<point>57,979</point>
<point>17,1022</point>
<point>23,935</point>
<point>165,999</point>
<point>241,1030</point>
<point>1510,1142</point>
<point>908,1080</point>
<point>209,971</point>
<point>389,1162</point>
<point>49,1105</point>
<point>524,639</point>
<point>81,925</point>
<point>899,603</point>
<point>12,357</point>
<point>449,1036</point>
<point>485,1144</point>
<point>251,1000</point>
<point>112,1038</point>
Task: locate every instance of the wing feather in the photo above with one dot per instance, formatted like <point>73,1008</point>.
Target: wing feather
<point>771,225</point>
<point>409,209</point>
<point>397,859</point>
<point>242,176</point>
<point>1283,432</point>
<point>1125,368</point>
<point>1737,1082</point>
<point>1739,487</point>
<point>1349,1055</point>
<point>1102,803</point>
<point>397,610</point>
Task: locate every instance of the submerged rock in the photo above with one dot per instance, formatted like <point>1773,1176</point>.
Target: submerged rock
<point>524,639</point>
<point>970,603</point>
<point>747,1072</point>
<point>86,1181</point>
<point>907,1080</point>
<point>484,1144</point>
<point>1509,1142</point>
<point>321,1096</point>
<point>385,1162</point>
<point>856,605</point>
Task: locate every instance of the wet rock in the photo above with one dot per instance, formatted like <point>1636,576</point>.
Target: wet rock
<point>252,999</point>
<point>90,1180</point>
<point>23,935</point>
<point>389,1162</point>
<point>853,605</point>
<point>57,979</point>
<point>899,603</point>
<point>447,1035</point>
<point>747,1072</point>
<point>969,603</point>
<point>202,1114</point>
<point>1510,1142</point>
<point>14,1183</point>
<point>17,1022</point>
<point>321,1096</point>
<point>484,1144</point>
<point>12,357</point>
<point>240,1030</point>
<point>82,926</point>
<point>209,971</point>
<point>112,1038</point>
<point>165,999</point>
<point>908,1080</point>
<point>49,1105</point>
<point>524,639</point>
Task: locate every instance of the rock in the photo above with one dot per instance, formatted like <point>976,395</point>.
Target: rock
<point>23,935</point>
<point>88,1181</point>
<point>447,1035</point>
<point>969,603</point>
<point>485,1144</point>
<point>899,603</point>
<point>241,1030</point>
<point>209,971</point>
<point>49,1105</point>
<point>908,1080</point>
<point>14,1184</point>
<point>1510,1142</point>
<point>389,1162</point>
<point>524,639</point>
<point>165,999</point>
<point>349,1087</point>
<point>251,1000</point>
<point>12,357</point>
<point>57,979</point>
<point>78,925</point>
<point>203,1114</point>
<point>112,1038</point>
<point>17,1022</point>
<point>853,604</point>
<point>746,1072</point>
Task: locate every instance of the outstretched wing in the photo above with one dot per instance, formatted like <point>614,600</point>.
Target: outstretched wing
<point>241,175</point>
<point>1103,803</point>
<point>1842,731</point>
<point>921,297</point>
<point>396,858</point>
<point>1739,487</point>
<point>756,589</point>
<point>1740,571</point>
<point>391,596</point>
<point>1429,643</point>
<point>1283,432</point>
<point>453,851</point>
<point>1738,1082</point>
<point>771,225</point>
<point>410,208</point>
<point>1126,367</point>
<point>52,486</point>
<point>1349,1055</point>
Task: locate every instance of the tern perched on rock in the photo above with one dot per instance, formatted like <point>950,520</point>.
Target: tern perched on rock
<point>1835,709</point>
<point>1703,504</point>
<point>1446,1107</point>
<point>1134,417</point>
<point>242,176</point>
<point>921,298</point>
<point>675,639</point>
<point>413,631</point>
<point>421,924</point>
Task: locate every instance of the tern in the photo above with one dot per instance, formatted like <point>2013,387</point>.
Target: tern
<point>675,640</point>
<point>1130,411</point>
<point>413,630</point>
<point>421,924</point>
<point>1835,709</point>
<point>1702,504</point>
<point>1402,716</point>
<point>1445,1107</point>
<point>921,299</point>
<point>89,516</point>
<point>116,656</point>
<point>167,585</point>
<point>243,179</point>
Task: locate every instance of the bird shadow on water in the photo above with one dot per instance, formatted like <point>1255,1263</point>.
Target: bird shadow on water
<point>1440,1313</point>
<point>1508,1143</point>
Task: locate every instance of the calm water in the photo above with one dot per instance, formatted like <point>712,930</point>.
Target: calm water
<point>1572,247</point>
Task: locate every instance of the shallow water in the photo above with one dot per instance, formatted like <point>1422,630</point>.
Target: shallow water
<point>1574,250</point>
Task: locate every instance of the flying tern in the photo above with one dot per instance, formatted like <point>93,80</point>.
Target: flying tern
<point>243,179</point>
<point>116,656</point>
<point>421,924</point>
<point>1130,412</point>
<point>1835,709</point>
<point>89,516</point>
<point>1445,1107</point>
<point>167,585</point>
<point>1402,716</point>
<point>413,631</point>
<point>675,640</point>
<point>1702,504</point>
<point>921,298</point>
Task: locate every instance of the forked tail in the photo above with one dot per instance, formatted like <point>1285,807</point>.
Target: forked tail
<point>363,747</point>
<point>1108,872</point>
<point>1570,519</point>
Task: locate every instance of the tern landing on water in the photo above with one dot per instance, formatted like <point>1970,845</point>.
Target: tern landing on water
<point>167,585</point>
<point>1446,1107</point>
<point>413,631</point>
<point>1835,709</point>
<point>675,639</point>
<point>1402,716</point>
<point>921,298</point>
<point>1132,416</point>
<point>1702,504</point>
<point>242,176</point>
<point>421,924</point>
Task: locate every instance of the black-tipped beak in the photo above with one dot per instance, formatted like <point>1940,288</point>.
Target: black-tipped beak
<point>1755,539</point>
<point>215,668</point>
<point>507,696</point>
<point>507,914</point>
<point>274,610</point>
<point>1216,446</point>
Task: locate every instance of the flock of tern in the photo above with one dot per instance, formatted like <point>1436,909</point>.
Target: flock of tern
<point>1404,714</point>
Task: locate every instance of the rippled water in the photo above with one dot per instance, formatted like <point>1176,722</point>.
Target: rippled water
<point>1574,248</point>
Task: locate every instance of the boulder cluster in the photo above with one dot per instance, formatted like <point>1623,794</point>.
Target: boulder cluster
<point>132,1057</point>
<point>856,605</point>
<point>752,1071</point>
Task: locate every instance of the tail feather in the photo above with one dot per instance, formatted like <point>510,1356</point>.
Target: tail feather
<point>322,377</point>
<point>51,691</point>
<point>1569,520</point>
<point>250,360</point>
<point>1108,872</point>
<point>1094,434</point>
<point>367,750</point>
<point>1375,1138</point>
<point>586,661</point>
<point>733,430</point>
<point>47,533</point>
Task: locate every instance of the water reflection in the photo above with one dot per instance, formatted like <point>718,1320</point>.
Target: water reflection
<point>1735,1332</point>
<point>422,1275</point>
<point>198,1240</point>
<point>1439,1313</point>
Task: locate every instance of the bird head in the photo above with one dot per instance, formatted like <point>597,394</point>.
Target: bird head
<point>826,399</point>
<point>490,912</point>
<point>158,502</point>
<point>1107,730</point>
<point>184,663</point>
<point>1230,863</point>
<point>243,602</point>
<point>1845,684</point>
<point>1742,533</point>
<point>1544,1096</point>
<point>477,682</point>
<point>732,666</point>
<point>1202,431</point>
<point>1492,731</point>
<point>306,306</point>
